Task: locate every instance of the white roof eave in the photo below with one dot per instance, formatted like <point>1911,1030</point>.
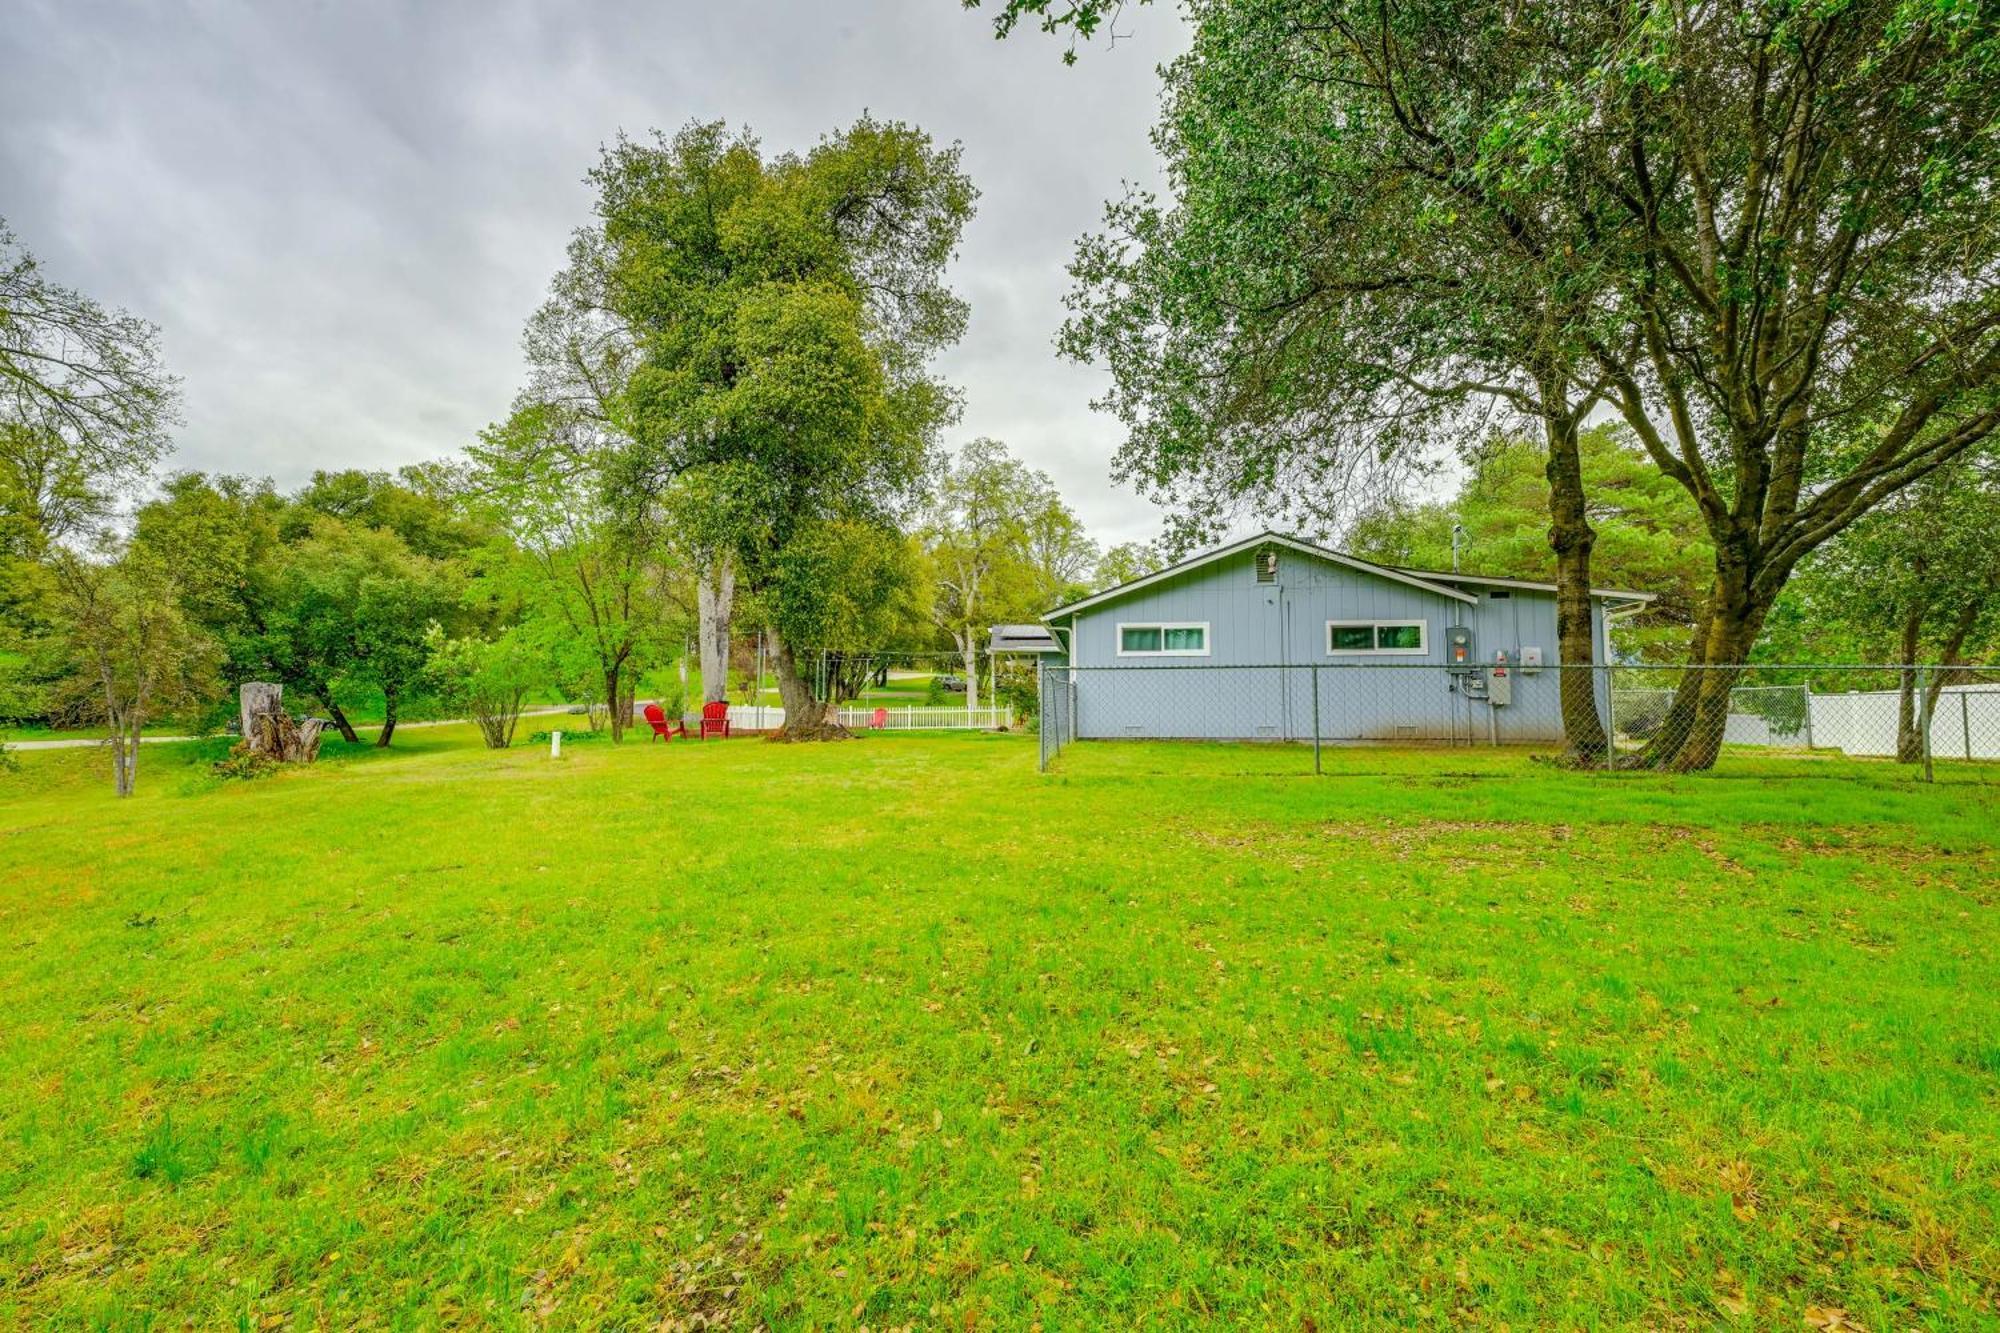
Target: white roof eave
<point>1248,543</point>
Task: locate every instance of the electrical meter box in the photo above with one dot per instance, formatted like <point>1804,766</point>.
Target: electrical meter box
<point>1531,661</point>
<point>1458,653</point>
<point>1500,680</point>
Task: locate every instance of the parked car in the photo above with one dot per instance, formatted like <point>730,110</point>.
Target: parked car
<point>952,684</point>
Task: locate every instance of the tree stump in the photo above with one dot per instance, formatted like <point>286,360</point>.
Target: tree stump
<point>269,731</point>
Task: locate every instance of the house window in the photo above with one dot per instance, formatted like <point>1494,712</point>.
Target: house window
<point>1267,566</point>
<point>1376,637</point>
<point>1174,639</point>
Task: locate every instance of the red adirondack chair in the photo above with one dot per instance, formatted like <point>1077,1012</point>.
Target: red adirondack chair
<point>878,719</point>
<point>656,718</point>
<point>715,719</point>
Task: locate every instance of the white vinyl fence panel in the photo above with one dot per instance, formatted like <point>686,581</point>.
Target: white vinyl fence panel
<point>1964,725</point>
<point>1767,716</point>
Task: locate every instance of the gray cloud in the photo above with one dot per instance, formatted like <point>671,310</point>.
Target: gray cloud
<point>341,214</point>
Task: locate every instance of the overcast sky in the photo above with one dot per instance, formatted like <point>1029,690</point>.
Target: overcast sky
<point>340,214</point>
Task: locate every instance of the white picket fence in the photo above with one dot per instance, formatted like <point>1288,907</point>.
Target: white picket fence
<point>762,717</point>
<point>917,718</point>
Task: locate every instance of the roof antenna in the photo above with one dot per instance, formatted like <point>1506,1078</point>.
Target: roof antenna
<point>1457,531</point>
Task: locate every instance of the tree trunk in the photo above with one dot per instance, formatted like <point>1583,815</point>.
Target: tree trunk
<point>323,692</point>
<point>614,701</point>
<point>1571,537</point>
<point>715,597</point>
<point>1909,740</point>
<point>1733,633</point>
<point>124,726</point>
<point>388,718</point>
<point>124,754</point>
<point>340,721</point>
<point>268,730</point>
<point>806,717</point>
<point>125,764</point>
<point>1909,733</point>
<point>969,646</point>
<point>1689,740</point>
<point>256,701</point>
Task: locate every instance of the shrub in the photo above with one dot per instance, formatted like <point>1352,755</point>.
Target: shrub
<point>1020,689</point>
<point>570,737</point>
<point>242,764</point>
<point>488,678</point>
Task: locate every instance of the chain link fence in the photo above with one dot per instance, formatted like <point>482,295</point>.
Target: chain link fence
<point>1618,718</point>
<point>1054,712</point>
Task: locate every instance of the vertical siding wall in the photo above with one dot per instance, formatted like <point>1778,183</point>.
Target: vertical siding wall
<point>1233,694</point>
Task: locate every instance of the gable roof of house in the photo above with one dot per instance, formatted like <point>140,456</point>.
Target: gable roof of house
<point>1428,580</point>
<point>1251,543</point>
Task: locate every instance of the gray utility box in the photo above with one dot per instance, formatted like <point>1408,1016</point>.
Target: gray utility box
<point>1531,660</point>
<point>1459,657</point>
<point>1500,680</point>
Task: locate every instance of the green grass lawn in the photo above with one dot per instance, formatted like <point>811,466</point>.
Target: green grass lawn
<point>364,707</point>
<point>901,1032</point>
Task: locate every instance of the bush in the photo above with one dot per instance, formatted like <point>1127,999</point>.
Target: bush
<point>240,764</point>
<point>1020,689</point>
<point>570,737</point>
<point>488,678</point>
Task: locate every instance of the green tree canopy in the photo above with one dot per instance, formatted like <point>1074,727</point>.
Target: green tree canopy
<point>1643,522</point>
<point>131,649</point>
<point>584,562</point>
<point>86,383</point>
<point>785,312</point>
<point>1001,545</point>
<point>1916,581</point>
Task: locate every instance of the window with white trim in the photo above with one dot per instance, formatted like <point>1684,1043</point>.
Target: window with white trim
<point>1177,638</point>
<point>1376,638</point>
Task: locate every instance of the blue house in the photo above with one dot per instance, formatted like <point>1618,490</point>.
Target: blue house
<point>1272,638</point>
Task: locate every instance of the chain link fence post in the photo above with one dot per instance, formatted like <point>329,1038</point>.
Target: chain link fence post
<point>1044,719</point>
<point>1600,676</point>
<point>1924,720</point>
<point>1315,690</point>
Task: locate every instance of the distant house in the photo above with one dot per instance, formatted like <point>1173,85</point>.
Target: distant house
<point>1217,647</point>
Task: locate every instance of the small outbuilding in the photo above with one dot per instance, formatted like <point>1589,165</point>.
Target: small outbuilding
<point>1275,638</point>
<point>1031,639</point>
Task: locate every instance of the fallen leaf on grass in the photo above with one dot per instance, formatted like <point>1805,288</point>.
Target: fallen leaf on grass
<point>1831,1317</point>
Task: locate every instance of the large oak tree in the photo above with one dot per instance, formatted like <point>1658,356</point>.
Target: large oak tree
<point>786,310</point>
